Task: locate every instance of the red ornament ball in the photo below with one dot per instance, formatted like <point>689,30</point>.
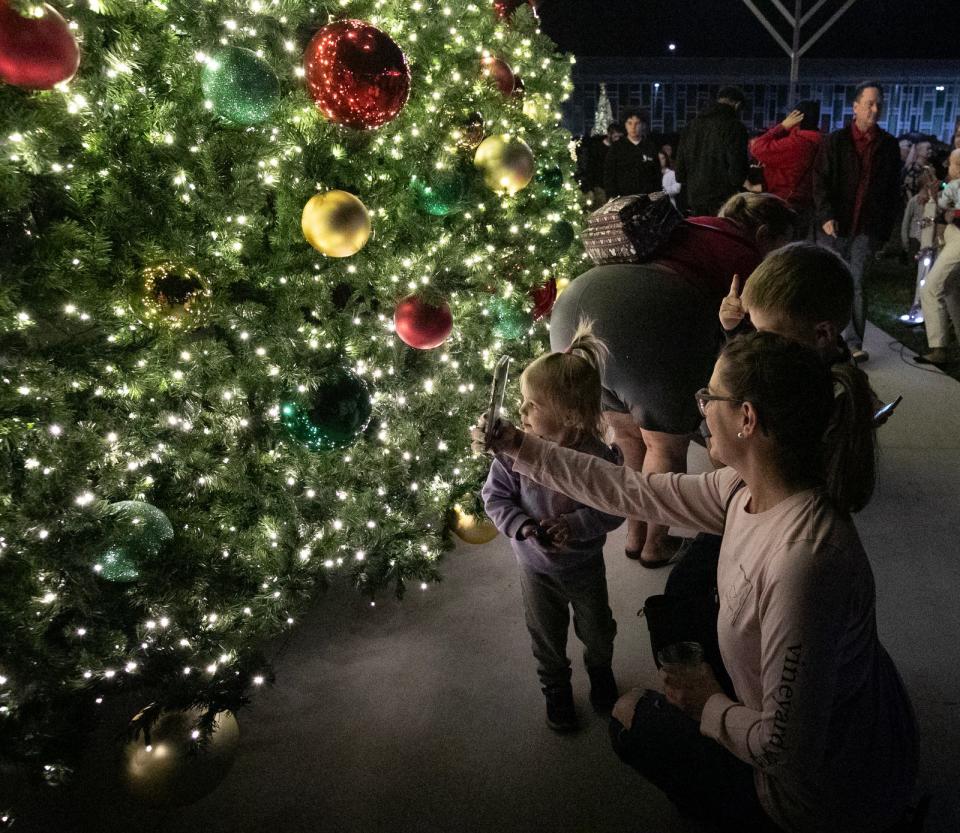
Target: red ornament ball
<point>356,74</point>
<point>36,52</point>
<point>543,298</point>
<point>422,325</point>
<point>498,71</point>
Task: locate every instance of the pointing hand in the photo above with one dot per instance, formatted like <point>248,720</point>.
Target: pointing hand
<point>731,309</point>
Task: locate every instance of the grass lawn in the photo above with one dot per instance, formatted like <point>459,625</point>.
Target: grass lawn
<point>889,285</point>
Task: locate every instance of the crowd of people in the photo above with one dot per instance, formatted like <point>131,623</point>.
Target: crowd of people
<point>794,718</point>
<point>851,189</point>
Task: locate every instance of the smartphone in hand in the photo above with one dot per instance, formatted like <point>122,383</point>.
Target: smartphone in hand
<point>883,414</point>
<point>497,391</point>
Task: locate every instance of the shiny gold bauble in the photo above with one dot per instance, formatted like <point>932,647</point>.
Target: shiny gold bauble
<point>336,223</point>
<point>506,163</point>
<point>175,294</point>
<point>169,766</point>
<point>471,528</point>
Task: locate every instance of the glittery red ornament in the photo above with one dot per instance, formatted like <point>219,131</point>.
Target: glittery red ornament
<point>498,71</point>
<point>356,74</point>
<point>543,298</point>
<point>36,52</point>
<point>422,325</point>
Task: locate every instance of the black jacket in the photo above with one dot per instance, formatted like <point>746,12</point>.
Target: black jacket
<point>712,160</point>
<point>631,169</point>
<point>836,174</point>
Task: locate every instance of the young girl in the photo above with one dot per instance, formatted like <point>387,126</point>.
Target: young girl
<point>559,541</point>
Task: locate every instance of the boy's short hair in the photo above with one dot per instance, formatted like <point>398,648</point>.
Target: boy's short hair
<point>633,113</point>
<point>802,282</point>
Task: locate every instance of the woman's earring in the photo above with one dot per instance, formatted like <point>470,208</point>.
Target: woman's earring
<point>740,434</point>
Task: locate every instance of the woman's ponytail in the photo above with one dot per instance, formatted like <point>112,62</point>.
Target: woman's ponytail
<point>850,442</point>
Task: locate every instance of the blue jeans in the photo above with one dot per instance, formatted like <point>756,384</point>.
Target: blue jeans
<point>857,251</point>
<point>546,603</point>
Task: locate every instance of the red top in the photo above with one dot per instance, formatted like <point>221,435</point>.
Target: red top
<point>709,251</point>
<point>863,144</point>
<point>787,157</point>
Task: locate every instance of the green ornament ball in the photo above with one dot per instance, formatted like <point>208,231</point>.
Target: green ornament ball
<point>510,323</point>
<point>243,87</point>
<point>330,416</point>
<point>551,179</point>
<point>441,193</point>
<point>562,234</point>
<point>116,566</point>
<point>138,531</point>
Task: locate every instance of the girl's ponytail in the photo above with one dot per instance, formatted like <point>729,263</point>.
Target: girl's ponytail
<point>589,347</point>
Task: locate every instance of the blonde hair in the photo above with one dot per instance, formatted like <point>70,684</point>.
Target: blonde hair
<point>571,381</point>
<point>802,283</point>
<point>753,212</point>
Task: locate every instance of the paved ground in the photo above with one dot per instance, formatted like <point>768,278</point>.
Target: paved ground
<point>425,715</point>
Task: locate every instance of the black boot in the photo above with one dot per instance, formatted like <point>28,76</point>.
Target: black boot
<point>561,715</point>
<point>603,689</point>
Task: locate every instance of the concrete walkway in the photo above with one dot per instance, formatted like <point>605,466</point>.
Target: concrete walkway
<point>425,715</point>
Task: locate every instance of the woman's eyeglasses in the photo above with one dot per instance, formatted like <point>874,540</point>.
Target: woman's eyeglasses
<point>703,396</point>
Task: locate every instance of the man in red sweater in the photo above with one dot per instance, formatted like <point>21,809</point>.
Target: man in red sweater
<point>856,192</point>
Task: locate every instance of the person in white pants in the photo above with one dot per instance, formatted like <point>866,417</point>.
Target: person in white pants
<point>940,295</point>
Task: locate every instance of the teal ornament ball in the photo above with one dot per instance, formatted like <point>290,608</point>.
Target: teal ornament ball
<point>551,179</point>
<point>510,323</point>
<point>331,415</point>
<point>562,235</point>
<point>243,87</point>
<point>138,531</point>
<point>441,193</point>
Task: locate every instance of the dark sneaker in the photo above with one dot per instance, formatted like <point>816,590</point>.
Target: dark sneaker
<point>561,715</point>
<point>603,689</point>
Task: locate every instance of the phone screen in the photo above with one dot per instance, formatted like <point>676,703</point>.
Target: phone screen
<point>886,410</point>
<point>497,391</point>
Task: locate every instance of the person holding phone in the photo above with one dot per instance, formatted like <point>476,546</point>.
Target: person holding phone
<point>557,540</point>
<point>821,734</point>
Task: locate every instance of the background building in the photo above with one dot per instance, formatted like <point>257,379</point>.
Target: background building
<point>921,96</point>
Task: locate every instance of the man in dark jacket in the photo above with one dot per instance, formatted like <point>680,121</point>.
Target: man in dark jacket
<point>712,159</point>
<point>632,165</point>
<point>856,192</point>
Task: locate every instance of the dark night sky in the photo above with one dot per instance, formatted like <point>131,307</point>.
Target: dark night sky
<point>727,28</point>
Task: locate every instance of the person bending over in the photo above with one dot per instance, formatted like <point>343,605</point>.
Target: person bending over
<point>659,320</point>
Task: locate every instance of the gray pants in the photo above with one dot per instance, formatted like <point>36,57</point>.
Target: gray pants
<point>857,251</point>
<point>545,605</point>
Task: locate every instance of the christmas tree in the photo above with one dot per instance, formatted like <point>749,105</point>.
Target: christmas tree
<point>259,260</point>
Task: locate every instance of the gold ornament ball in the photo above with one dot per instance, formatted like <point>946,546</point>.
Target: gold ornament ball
<point>336,223</point>
<point>506,163</point>
<point>471,528</point>
<point>171,767</point>
<point>175,294</point>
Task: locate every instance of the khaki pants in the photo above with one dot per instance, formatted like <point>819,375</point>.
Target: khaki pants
<point>940,295</point>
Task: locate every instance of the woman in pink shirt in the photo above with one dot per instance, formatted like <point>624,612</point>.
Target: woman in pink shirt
<point>821,733</point>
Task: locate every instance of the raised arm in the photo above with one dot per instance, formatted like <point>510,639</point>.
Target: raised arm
<point>683,499</point>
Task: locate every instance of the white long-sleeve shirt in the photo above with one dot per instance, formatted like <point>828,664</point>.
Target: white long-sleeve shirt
<point>822,714</point>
